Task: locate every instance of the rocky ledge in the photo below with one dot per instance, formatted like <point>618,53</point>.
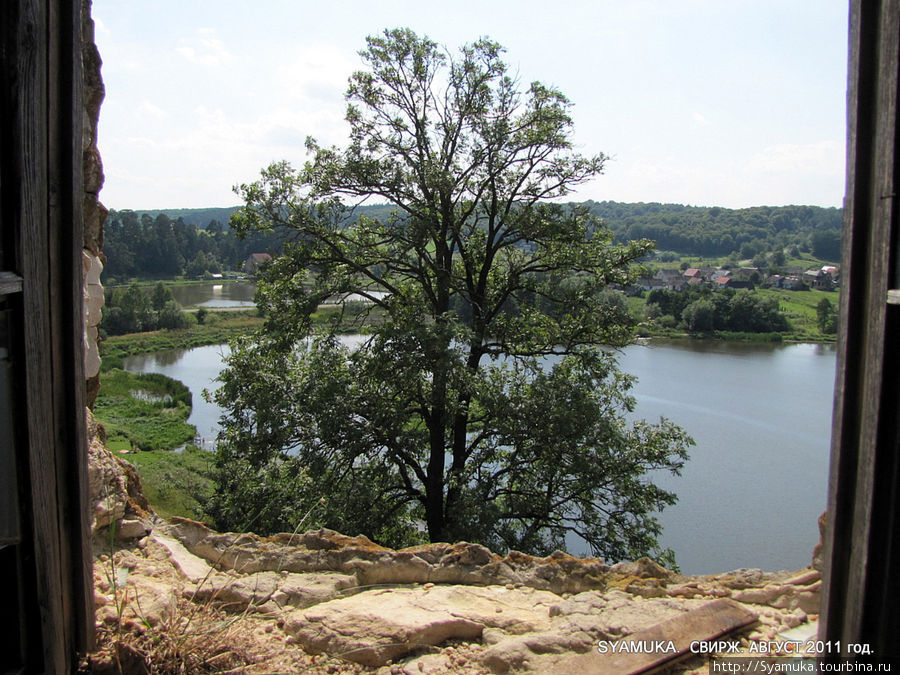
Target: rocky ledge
<point>176,596</point>
<point>335,603</point>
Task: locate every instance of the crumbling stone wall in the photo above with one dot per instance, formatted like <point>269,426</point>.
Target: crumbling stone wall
<point>94,212</point>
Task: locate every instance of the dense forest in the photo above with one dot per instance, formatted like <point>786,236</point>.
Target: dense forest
<point>715,231</point>
<point>140,245</point>
<point>192,242</point>
<point>699,310</point>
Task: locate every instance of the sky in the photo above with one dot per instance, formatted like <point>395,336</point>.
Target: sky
<point>730,103</point>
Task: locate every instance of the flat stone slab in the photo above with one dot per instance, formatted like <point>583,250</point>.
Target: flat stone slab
<point>658,645</point>
<point>373,627</point>
<point>192,567</point>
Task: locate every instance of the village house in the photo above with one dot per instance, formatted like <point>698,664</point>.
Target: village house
<point>693,282</point>
<point>693,273</point>
<point>254,261</point>
<point>672,279</point>
<point>818,280</point>
<point>751,274</point>
<point>645,284</point>
<point>793,283</point>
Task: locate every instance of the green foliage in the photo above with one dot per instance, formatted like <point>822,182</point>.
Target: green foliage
<point>202,264</point>
<point>716,231</point>
<point>826,244</point>
<point>702,310</point>
<point>146,411</point>
<point>826,316</point>
<point>176,483</point>
<point>132,310</point>
<point>160,296</point>
<point>169,244</point>
<point>699,316</point>
<point>483,403</point>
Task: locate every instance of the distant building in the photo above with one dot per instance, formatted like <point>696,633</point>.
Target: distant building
<point>747,274</point>
<point>254,261</point>
<point>818,280</point>
<point>672,279</point>
<point>793,283</point>
<point>648,284</point>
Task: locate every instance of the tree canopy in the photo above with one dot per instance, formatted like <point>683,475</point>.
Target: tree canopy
<point>140,245</point>
<point>716,231</point>
<point>485,403</point>
<point>136,243</point>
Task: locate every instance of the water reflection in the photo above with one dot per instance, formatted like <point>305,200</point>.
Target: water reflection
<point>198,369</point>
<point>755,485</point>
<point>215,294</point>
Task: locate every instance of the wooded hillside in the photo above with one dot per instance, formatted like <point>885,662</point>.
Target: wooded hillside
<point>189,242</point>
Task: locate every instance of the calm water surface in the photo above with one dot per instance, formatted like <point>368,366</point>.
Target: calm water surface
<point>198,369</point>
<point>755,485</point>
<point>217,294</point>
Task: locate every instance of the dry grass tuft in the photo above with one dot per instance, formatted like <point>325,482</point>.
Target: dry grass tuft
<point>191,638</point>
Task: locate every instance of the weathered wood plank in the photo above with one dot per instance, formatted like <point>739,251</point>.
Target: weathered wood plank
<point>42,171</point>
<point>704,624</point>
<point>32,122</point>
<point>10,283</point>
<point>67,228</point>
<point>10,528</point>
<point>863,486</point>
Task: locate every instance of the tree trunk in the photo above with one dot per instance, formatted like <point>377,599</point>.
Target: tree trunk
<point>434,490</point>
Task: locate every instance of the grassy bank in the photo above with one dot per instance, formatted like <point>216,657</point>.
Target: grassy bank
<point>176,483</point>
<point>798,306</point>
<point>144,411</point>
<point>145,417</point>
<point>218,327</point>
<point>800,309</point>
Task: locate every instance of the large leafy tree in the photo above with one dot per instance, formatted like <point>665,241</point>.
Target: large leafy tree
<point>482,403</point>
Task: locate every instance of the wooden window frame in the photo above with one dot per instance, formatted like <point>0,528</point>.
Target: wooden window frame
<point>41,192</point>
<point>41,201</point>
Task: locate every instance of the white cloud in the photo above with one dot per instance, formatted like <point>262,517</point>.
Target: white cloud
<point>204,48</point>
<point>707,144</point>
<point>149,109</point>
<point>316,72</point>
<point>100,27</point>
<point>823,157</point>
<point>779,175</point>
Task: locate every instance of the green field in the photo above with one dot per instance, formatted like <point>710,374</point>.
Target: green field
<point>800,309</point>
<point>176,483</point>
<point>145,417</point>
<point>146,412</point>
<point>218,327</point>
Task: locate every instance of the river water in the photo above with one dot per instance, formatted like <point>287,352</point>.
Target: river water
<point>215,294</point>
<point>755,485</point>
